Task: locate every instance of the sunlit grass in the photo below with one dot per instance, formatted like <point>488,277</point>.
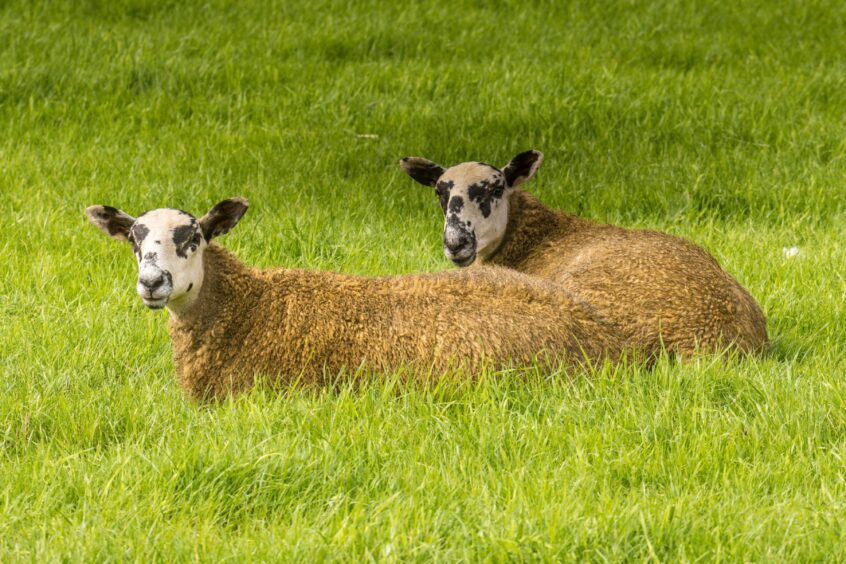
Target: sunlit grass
<point>720,123</point>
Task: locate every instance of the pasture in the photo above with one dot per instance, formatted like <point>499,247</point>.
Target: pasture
<point>720,122</point>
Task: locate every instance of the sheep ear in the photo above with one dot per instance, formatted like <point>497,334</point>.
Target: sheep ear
<point>522,167</point>
<point>111,221</point>
<point>223,217</point>
<point>422,170</point>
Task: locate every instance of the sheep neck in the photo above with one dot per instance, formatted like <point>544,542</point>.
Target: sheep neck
<point>530,223</point>
<point>229,292</point>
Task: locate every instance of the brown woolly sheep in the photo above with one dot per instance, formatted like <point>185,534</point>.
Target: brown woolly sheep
<point>229,323</point>
<point>658,290</point>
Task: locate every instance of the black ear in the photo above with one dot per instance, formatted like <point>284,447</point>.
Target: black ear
<point>223,217</point>
<point>522,167</point>
<point>111,221</point>
<point>422,170</point>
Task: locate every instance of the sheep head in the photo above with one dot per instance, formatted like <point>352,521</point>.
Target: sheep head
<point>474,200</point>
<point>168,246</point>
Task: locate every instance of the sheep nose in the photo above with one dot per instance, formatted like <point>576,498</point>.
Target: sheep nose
<point>152,283</point>
<point>460,247</point>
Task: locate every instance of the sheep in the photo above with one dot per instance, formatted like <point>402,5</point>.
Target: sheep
<point>230,323</point>
<point>661,292</point>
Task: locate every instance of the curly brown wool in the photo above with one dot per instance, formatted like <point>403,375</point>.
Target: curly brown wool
<point>657,289</point>
<point>307,327</point>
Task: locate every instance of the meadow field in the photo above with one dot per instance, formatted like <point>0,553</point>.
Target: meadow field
<point>720,122</point>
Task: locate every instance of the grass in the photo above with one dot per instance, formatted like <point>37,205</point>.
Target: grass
<point>719,122</point>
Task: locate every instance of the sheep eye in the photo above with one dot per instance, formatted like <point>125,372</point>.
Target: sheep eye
<point>195,243</point>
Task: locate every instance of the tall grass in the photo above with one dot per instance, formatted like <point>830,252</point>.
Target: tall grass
<point>718,122</point>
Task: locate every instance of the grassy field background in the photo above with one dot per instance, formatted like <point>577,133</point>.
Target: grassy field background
<point>721,122</point>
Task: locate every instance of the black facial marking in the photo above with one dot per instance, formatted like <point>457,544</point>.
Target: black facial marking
<point>442,190</point>
<point>182,234</point>
<point>183,238</point>
<point>484,192</point>
<point>139,232</point>
<point>453,221</point>
<point>456,204</point>
<point>479,194</point>
<point>191,285</point>
<point>151,256</point>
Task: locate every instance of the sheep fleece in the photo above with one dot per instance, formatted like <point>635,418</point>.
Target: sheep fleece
<point>305,326</point>
<point>657,289</point>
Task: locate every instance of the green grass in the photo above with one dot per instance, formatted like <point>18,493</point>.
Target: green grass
<point>720,122</point>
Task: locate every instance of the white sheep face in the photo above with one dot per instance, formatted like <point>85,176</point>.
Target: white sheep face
<point>168,246</point>
<point>474,199</point>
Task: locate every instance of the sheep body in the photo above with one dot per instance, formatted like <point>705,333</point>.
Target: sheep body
<point>296,325</point>
<point>659,291</point>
